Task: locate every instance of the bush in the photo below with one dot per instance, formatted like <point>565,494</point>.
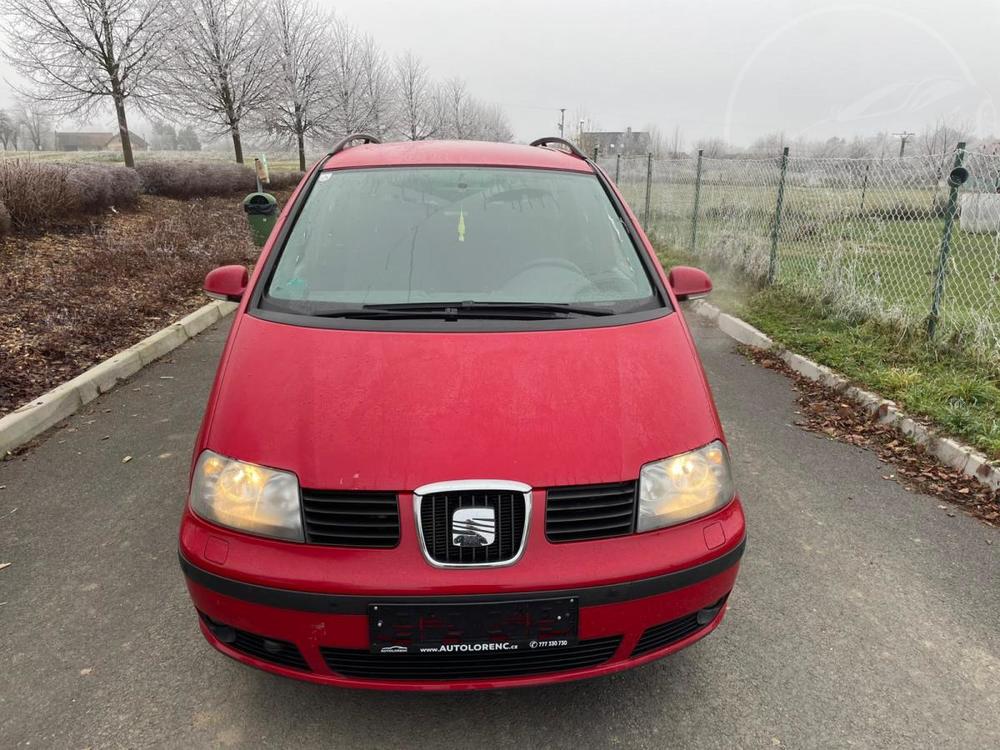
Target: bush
<point>284,180</point>
<point>125,187</point>
<point>183,180</point>
<point>92,185</point>
<point>38,195</point>
<point>4,221</point>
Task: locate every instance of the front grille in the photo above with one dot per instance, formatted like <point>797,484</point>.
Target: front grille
<point>591,511</point>
<point>666,633</point>
<point>351,519</point>
<point>483,665</point>
<point>437,509</point>
<point>259,647</point>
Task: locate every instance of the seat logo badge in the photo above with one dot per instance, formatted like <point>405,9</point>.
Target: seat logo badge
<point>473,527</point>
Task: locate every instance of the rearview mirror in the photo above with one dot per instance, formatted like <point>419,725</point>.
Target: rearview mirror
<point>227,283</point>
<point>689,283</point>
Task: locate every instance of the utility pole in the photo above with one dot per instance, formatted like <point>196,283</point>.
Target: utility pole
<point>562,122</point>
<point>903,138</point>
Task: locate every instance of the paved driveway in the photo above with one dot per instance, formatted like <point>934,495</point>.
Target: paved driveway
<point>864,615</point>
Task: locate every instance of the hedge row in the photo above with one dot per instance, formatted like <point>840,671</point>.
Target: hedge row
<point>36,195</point>
<point>197,180</point>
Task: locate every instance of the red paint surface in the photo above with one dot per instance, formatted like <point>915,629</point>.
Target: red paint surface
<point>392,411</point>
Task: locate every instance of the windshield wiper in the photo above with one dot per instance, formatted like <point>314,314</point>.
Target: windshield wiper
<point>471,308</point>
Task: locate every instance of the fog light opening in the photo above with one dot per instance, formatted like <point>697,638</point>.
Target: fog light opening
<point>223,633</point>
<point>708,614</point>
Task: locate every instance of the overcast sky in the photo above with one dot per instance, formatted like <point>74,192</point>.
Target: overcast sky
<point>729,68</point>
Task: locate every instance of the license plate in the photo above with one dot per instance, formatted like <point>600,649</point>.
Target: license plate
<point>481,627</point>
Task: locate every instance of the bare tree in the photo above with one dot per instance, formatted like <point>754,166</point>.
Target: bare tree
<point>675,145</point>
<point>491,123</point>
<point>460,110</point>
<point>301,103</point>
<point>940,138</point>
<point>860,148</point>
<point>769,144</point>
<point>347,81</point>
<point>215,66</point>
<point>36,120</point>
<point>713,148</point>
<point>419,112</point>
<point>379,88</point>
<point>938,142</point>
<point>9,127</point>
<point>76,55</point>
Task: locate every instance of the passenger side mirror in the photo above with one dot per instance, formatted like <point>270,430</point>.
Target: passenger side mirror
<point>689,283</point>
<point>227,283</point>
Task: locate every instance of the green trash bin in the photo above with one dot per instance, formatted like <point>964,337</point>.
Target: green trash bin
<point>262,212</point>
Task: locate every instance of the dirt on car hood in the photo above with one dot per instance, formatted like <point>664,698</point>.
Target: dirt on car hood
<point>392,411</point>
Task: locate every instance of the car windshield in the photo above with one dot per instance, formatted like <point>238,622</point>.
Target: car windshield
<point>390,236</point>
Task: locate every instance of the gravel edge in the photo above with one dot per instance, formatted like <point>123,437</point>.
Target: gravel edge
<point>949,452</point>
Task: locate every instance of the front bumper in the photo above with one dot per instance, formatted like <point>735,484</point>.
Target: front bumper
<point>323,637</point>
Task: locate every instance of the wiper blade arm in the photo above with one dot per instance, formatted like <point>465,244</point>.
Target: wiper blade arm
<point>496,309</point>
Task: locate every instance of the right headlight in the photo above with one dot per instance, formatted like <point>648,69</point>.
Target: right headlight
<point>684,487</point>
<point>247,497</point>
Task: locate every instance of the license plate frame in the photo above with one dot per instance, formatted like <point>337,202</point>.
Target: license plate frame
<point>473,627</point>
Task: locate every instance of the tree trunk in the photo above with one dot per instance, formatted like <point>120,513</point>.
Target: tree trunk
<point>237,144</point>
<point>123,132</point>
<point>302,152</point>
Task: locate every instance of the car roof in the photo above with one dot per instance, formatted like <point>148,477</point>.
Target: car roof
<point>454,153</point>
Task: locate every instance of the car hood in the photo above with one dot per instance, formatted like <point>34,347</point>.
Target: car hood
<point>392,411</point>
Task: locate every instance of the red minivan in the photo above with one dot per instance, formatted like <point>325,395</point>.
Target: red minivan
<point>459,436</point>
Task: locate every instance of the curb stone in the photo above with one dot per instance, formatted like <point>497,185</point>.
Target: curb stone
<point>949,452</point>
<point>46,411</point>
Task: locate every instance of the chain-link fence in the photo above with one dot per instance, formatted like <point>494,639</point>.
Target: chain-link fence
<point>885,238</point>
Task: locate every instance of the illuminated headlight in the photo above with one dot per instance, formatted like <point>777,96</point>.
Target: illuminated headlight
<point>247,497</point>
<point>684,487</point>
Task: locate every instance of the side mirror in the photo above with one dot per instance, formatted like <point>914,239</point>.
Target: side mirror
<point>688,282</point>
<point>227,283</point>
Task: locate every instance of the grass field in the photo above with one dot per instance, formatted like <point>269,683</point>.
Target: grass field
<point>874,257</point>
<point>957,392</point>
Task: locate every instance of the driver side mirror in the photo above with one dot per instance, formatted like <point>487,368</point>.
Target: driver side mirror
<point>689,283</point>
<point>227,283</point>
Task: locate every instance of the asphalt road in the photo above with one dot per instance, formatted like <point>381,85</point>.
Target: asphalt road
<point>864,616</point>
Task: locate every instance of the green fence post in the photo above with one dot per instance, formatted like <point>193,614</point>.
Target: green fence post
<point>772,266</point>
<point>697,195</point>
<point>864,189</point>
<point>618,167</point>
<point>649,190</point>
<point>942,264</point>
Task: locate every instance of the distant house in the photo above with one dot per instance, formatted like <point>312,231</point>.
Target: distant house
<point>610,142</point>
<point>97,142</point>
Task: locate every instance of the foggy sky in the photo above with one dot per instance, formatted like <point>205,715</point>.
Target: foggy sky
<point>714,68</point>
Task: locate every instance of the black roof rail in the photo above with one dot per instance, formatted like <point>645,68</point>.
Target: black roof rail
<point>543,142</point>
<point>350,139</point>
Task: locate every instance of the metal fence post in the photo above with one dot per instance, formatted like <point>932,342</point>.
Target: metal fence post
<point>772,266</point>
<point>942,264</point>
<point>649,190</point>
<point>697,195</point>
<point>618,167</point>
<point>864,189</point>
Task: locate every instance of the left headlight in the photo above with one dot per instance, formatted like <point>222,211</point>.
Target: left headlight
<point>247,497</point>
<point>684,487</point>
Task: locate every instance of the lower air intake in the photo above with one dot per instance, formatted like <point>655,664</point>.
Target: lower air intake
<point>464,666</point>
